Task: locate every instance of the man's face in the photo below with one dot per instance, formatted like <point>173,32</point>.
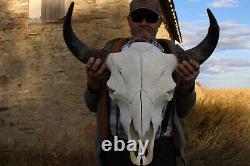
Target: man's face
<point>144,23</point>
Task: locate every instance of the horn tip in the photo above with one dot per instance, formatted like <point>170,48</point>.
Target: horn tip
<point>212,19</point>
<point>209,12</point>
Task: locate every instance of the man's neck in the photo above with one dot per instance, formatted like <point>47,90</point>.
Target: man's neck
<point>140,39</point>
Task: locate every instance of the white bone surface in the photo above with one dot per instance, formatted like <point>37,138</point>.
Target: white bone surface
<point>140,83</point>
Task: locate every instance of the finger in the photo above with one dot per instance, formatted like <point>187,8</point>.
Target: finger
<point>188,67</point>
<point>183,69</point>
<point>193,76</point>
<point>182,76</point>
<point>90,62</point>
<point>102,69</point>
<point>96,65</point>
<point>195,64</point>
<point>185,77</point>
<point>180,73</point>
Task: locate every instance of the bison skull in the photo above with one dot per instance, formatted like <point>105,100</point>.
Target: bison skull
<point>140,83</point>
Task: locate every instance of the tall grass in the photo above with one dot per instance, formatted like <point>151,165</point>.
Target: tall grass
<point>217,130</point>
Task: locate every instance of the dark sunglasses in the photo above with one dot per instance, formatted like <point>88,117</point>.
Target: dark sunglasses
<point>150,17</point>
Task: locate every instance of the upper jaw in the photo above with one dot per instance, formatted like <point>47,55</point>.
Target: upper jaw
<point>147,157</point>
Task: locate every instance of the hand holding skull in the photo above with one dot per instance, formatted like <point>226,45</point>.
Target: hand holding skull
<point>96,73</point>
<point>188,72</point>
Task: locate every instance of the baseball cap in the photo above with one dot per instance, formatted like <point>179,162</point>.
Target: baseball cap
<point>152,5</point>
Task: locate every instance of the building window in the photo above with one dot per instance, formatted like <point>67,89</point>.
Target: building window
<point>46,11</point>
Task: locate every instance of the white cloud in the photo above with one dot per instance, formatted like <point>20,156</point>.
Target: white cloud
<point>215,69</point>
<point>224,3</point>
<point>216,64</point>
<point>233,36</point>
<point>219,72</point>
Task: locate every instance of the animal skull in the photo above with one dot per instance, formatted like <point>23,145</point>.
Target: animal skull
<point>141,79</point>
<point>141,83</point>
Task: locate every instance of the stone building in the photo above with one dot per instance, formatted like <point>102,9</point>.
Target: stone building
<point>42,110</point>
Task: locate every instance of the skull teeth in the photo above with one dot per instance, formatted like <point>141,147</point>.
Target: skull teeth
<point>144,159</point>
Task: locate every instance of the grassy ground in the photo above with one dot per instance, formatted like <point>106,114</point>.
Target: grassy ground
<point>217,133</point>
<point>218,130</point>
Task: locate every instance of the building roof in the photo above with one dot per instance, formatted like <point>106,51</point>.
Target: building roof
<point>170,19</point>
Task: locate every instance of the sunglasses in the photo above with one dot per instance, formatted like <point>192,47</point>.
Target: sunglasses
<point>150,17</point>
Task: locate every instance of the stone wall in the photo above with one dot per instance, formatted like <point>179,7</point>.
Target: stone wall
<point>42,84</point>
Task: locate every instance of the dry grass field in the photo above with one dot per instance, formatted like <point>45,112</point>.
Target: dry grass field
<point>217,132</point>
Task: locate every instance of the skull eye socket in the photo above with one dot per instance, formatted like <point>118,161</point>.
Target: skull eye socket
<point>120,70</point>
<point>111,90</point>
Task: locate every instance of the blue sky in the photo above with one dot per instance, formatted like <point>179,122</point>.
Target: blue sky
<point>229,66</point>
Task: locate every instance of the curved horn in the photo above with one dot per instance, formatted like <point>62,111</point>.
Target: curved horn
<point>203,50</point>
<point>78,48</point>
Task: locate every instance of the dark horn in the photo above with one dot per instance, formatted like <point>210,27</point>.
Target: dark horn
<point>203,50</point>
<point>78,48</point>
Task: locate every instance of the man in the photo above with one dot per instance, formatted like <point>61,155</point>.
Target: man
<point>144,21</point>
